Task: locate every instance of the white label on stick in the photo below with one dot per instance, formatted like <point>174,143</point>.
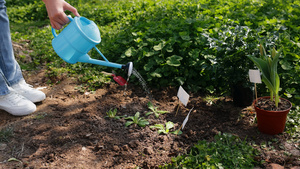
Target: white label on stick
<point>183,96</point>
<point>254,76</point>
<point>186,119</point>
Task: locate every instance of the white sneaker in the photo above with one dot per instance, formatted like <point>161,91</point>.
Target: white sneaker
<point>27,91</point>
<point>16,104</point>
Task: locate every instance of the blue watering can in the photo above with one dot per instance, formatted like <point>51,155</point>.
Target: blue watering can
<point>77,39</point>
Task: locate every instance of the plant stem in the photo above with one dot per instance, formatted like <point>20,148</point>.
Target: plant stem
<point>271,95</point>
<point>276,100</point>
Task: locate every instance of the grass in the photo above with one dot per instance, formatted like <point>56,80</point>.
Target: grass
<point>226,151</point>
<point>5,134</point>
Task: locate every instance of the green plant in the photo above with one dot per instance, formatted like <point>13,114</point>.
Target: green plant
<point>5,134</point>
<point>136,119</point>
<point>113,114</point>
<point>165,130</point>
<point>39,115</point>
<point>227,151</point>
<point>267,64</point>
<point>293,124</point>
<point>155,110</point>
<point>210,100</point>
<point>172,43</point>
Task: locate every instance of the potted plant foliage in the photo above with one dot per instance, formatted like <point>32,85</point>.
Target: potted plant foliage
<point>271,111</point>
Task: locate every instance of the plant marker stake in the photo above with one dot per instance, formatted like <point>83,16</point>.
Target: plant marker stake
<point>255,89</point>
<point>177,108</point>
<point>254,76</point>
<point>185,120</point>
<point>183,97</point>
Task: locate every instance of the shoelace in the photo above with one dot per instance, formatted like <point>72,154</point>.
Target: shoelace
<point>14,97</point>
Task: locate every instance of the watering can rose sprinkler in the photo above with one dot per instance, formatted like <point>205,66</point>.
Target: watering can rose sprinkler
<point>77,39</point>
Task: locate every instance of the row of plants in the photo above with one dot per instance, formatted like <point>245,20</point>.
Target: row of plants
<point>176,42</point>
<point>140,121</point>
<point>226,151</point>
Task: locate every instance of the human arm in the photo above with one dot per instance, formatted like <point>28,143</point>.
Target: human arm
<point>56,12</point>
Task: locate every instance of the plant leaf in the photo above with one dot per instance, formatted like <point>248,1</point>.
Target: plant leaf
<point>264,68</point>
<point>162,131</point>
<point>136,117</point>
<point>159,47</point>
<point>162,111</point>
<point>128,123</point>
<point>158,126</point>
<point>174,60</point>
<point>143,123</point>
<point>149,113</point>
<point>130,118</point>
<point>177,132</point>
<point>150,106</point>
<point>169,125</point>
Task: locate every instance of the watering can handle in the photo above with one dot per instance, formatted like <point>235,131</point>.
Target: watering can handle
<point>53,30</point>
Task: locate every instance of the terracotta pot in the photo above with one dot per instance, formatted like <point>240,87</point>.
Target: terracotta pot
<point>271,122</point>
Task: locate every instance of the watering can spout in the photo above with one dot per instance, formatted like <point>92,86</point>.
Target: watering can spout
<point>128,67</point>
<point>87,59</point>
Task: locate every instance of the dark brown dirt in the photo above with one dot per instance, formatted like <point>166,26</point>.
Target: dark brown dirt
<point>265,103</point>
<point>70,130</point>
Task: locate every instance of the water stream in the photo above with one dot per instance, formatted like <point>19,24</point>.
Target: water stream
<point>142,82</point>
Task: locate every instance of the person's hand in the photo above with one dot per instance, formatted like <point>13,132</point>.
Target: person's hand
<point>56,12</point>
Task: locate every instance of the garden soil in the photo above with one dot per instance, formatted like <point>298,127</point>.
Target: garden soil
<point>70,128</point>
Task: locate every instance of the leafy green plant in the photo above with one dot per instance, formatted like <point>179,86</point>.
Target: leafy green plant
<point>154,110</point>
<point>172,43</point>
<point>165,130</point>
<point>293,124</point>
<point>267,64</point>
<point>136,119</point>
<point>210,100</point>
<point>113,114</point>
<point>227,151</point>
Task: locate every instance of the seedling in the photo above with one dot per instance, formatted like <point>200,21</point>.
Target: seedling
<point>113,114</point>
<point>136,119</point>
<point>154,110</point>
<point>162,129</point>
<point>210,100</point>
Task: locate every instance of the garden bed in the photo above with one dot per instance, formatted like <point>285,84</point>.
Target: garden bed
<point>70,129</point>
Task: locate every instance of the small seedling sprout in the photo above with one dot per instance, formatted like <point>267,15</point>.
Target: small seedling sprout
<point>165,130</point>
<point>154,110</point>
<point>136,119</point>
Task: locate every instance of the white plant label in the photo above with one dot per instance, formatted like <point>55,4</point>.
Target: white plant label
<point>254,76</point>
<point>186,119</point>
<point>183,96</point>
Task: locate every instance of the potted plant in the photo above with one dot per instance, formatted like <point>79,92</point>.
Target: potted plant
<point>271,111</point>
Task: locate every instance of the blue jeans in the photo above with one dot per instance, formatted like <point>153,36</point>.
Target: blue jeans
<point>10,72</point>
